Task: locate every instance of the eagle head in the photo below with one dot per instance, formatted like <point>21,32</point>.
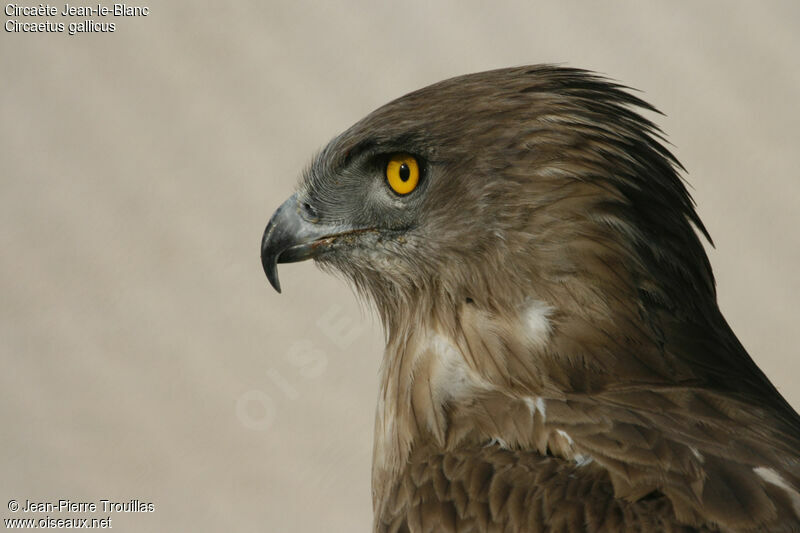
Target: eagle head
<point>497,189</point>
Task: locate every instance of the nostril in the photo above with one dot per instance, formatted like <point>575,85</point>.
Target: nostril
<point>310,211</point>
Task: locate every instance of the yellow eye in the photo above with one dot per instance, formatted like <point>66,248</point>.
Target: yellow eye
<point>402,173</point>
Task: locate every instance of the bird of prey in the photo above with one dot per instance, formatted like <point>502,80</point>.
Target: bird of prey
<point>555,357</point>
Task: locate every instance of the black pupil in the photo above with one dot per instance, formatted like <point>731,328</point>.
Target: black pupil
<point>405,172</point>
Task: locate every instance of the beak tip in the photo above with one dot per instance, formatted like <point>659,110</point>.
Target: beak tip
<point>276,285</point>
<point>270,265</point>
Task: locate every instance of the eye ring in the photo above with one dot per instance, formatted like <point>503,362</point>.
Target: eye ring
<point>402,173</point>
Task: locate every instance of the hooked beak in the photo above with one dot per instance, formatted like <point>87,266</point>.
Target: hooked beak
<point>291,236</point>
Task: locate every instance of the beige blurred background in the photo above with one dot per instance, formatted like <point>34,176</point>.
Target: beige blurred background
<point>142,353</point>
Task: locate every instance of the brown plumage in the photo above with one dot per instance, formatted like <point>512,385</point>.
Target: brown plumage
<point>555,357</point>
